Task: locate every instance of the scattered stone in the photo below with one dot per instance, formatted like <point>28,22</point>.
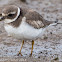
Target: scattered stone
<point>45,37</point>
<point>39,57</point>
<point>23,0</point>
<point>50,32</point>
<point>41,52</point>
<point>56,58</point>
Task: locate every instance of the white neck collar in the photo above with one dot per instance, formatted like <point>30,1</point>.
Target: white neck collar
<point>11,20</point>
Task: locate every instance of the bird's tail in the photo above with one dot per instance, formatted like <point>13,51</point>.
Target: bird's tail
<point>56,21</point>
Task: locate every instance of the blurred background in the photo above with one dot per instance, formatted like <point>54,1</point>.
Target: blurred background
<point>46,49</point>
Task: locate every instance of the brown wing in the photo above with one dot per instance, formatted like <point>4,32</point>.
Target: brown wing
<point>36,24</point>
<point>36,20</point>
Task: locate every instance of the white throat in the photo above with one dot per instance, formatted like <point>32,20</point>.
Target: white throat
<point>11,20</point>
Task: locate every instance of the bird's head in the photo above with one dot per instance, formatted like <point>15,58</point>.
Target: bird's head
<point>10,13</point>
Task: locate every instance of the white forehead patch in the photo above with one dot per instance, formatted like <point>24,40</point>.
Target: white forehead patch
<point>4,14</point>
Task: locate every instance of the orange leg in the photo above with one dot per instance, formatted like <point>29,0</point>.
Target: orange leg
<point>21,49</point>
<point>32,47</point>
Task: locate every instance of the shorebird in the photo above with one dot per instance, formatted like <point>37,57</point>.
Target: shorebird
<point>24,24</point>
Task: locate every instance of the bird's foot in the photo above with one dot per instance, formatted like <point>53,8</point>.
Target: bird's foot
<point>19,54</point>
<point>30,55</point>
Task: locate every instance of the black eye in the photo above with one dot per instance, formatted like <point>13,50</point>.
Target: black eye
<point>10,15</point>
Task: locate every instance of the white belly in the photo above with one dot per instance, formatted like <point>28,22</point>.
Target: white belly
<point>24,31</point>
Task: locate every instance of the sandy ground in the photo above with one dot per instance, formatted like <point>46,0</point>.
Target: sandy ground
<point>46,49</point>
